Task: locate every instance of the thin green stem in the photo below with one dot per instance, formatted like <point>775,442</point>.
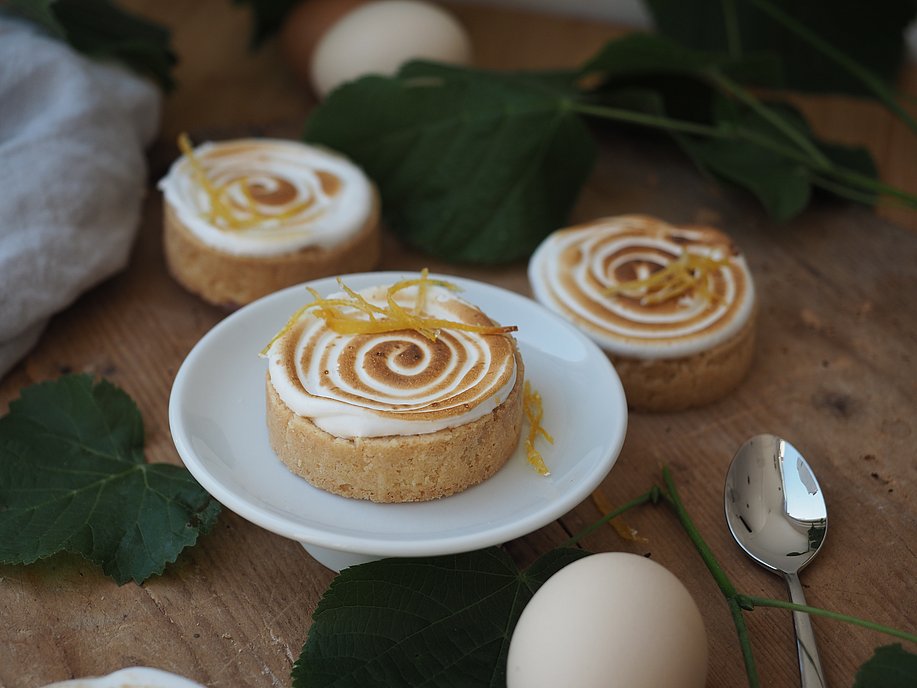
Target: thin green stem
<point>652,495</point>
<point>643,119</point>
<point>719,575</point>
<point>863,75</point>
<point>819,160</point>
<point>893,198</point>
<point>866,182</point>
<point>682,126</point>
<point>843,191</point>
<point>731,25</point>
<point>751,601</point>
<point>840,174</point>
<point>863,182</point>
<point>751,670</point>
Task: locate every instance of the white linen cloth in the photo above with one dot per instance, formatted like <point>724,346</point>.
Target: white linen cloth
<point>72,176</point>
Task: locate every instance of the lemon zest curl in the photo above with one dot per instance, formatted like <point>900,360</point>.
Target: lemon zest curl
<point>342,315</point>
<point>689,272</point>
<point>223,214</point>
<point>534,412</point>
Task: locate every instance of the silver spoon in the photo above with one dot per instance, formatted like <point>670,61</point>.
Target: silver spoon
<point>776,512</point>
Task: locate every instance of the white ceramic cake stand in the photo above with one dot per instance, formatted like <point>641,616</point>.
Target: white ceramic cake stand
<point>217,418</point>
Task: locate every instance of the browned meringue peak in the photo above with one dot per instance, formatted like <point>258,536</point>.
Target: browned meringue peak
<point>393,381</point>
<point>640,286</point>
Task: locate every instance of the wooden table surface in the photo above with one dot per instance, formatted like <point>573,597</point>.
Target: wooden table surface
<point>835,371</point>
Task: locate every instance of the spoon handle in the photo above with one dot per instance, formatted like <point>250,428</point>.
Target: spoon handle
<point>809,667</point>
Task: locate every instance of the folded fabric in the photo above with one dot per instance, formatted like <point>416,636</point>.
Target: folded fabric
<point>73,173</point>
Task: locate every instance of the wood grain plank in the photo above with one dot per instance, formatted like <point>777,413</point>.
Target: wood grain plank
<point>835,372</point>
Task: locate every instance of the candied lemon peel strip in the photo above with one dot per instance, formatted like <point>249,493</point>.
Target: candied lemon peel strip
<point>534,412</point>
<point>353,314</point>
<point>227,215</point>
<point>689,272</point>
<point>625,531</point>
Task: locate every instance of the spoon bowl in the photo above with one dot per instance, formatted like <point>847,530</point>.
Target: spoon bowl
<point>776,511</point>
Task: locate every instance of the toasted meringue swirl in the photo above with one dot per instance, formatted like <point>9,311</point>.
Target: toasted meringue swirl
<point>393,383</point>
<point>285,196</point>
<point>577,272</point>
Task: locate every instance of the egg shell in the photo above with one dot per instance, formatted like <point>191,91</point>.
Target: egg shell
<point>305,25</point>
<point>379,37</point>
<point>610,620</point>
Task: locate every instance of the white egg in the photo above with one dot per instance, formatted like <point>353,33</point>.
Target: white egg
<point>611,620</point>
<point>379,37</point>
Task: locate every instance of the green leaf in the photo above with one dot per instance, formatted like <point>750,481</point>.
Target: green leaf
<point>681,78</point>
<point>878,43</point>
<point>647,54</point>
<point>268,17</point>
<point>73,478</point>
<point>781,184</point>
<point>472,166</point>
<point>99,29</point>
<point>890,666</point>
<point>643,54</point>
<point>439,621</point>
<point>765,148</point>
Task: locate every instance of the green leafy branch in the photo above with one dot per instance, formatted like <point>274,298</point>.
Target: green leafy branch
<point>854,180</point>
<point>743,27</point>
<point>378,620</point>
<point>479,166</point>
<point>736,601</point>
<point>767,148</point>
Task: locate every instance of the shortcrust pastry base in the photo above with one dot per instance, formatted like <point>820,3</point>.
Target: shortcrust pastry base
<point>231,281</point>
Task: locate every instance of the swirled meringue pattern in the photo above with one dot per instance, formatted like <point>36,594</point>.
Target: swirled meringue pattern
<point>587,274</point>
<point>393,383</point>
<point>282,195</point>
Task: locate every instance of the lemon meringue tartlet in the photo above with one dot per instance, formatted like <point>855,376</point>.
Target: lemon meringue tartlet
<point>246,217</point>
<point>673,307</point>
<point>396,393</point>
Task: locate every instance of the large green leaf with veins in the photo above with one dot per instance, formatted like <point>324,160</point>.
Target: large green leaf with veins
<point>472,165</point>
<point>73,478</point>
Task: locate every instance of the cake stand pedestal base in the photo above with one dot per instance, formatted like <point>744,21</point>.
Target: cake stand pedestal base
<point>335,559</point>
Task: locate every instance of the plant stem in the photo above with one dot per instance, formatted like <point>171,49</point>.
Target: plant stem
<point>652,495</point>
<point>737,602</point>
<point>857,179</point>
<point>731,25</point>
<point>751,601</point>
<point>748,657</point>
<point>719,575</point>
<point>842,191</point>
<point>863,75</point>
<point>863,182</point>
<point>643,119</point>
<point>840,174</point>
<point>773,118</point>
